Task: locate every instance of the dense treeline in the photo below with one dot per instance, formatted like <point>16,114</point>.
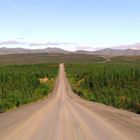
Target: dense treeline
<point>20,84</point>
<point>117,85</point>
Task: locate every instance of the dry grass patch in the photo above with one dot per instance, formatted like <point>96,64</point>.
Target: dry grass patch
<point>43,80</point>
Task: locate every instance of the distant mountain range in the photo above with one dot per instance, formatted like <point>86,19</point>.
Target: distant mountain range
<point>112,52</point>
<point>104,52</point>
<point>5,51</point>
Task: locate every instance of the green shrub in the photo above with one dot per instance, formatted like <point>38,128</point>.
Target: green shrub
<point>19,84</point>
<point>117,84</point>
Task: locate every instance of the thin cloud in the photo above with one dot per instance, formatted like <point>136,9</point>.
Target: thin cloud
<point>62,45</point>
<point>132,46</point>
<point>37,44</point>
<point>14,42</point>
<point>83,47</point>
<point>51,44</point>
<point>11,42</point>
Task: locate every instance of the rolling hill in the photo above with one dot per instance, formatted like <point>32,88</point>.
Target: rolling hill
<point>5,51</point>
<point>104,52</point>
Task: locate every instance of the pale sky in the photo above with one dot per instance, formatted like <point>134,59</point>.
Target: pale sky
<point>69,24</point>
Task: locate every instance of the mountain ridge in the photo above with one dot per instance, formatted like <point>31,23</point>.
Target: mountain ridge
<point>105,52</point>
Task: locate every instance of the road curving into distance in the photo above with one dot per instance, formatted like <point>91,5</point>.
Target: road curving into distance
<point>65,116</point>
<point>106,60</point>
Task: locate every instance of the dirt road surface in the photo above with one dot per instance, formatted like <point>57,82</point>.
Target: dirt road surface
<point>65,116</point>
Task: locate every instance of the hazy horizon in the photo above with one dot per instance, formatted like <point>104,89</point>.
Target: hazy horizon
<point>22,43</point>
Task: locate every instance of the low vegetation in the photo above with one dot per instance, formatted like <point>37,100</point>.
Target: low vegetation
<point>126,59</point>
<point>113,84</point>
<point>48,58</point>
<point>21,84</point>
